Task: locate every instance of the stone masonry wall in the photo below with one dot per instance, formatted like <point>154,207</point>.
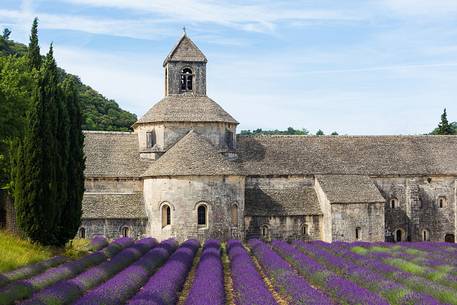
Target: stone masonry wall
<point>183,195</point>
<point>173,77</point>
<point>112,228</point>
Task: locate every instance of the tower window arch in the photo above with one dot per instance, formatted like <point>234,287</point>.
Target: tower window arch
<point>202,215</point>
<point>186,79</point>
<point>166,215</point>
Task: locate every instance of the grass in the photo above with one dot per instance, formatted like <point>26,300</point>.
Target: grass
<point>359,250</point>
<point>406,266</point>
<point>16,252</point>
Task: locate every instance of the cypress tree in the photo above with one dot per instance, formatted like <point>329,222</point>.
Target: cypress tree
<point>70,219</point>
<point>33,52</point>
<point>444,128</point>
<point>37,208</point>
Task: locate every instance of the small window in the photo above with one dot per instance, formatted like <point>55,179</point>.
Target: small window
<point>201,215</point>
<point>441,202</point>
<point>150,139</point>
<point>393,203</point>
<point>234,215</point>
<point>305,230</point>
<point>82,233</point>
<point>399,236</point>
<point>425,235</point>
<point>229,139</point>
<point>358,233</point>
<point>166,215</point>
<point>265,231</point>
<point>125,231</point>
<point>186,79</point>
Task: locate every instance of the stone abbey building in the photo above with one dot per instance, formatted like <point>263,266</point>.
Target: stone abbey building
<point>184,172</point>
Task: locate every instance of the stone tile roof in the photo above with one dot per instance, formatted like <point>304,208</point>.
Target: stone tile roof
<point>186,108</point>
<point>119,206</point>
<point>286,201</point>
<point>185,50</point>
<point>193,155</point>
<point>360,155</point>
<point>112,154</point>
<point>349,189</point>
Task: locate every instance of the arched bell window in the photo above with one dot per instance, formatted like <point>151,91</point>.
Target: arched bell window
<point>202,216</point>
<point>186,79</point>
<point>166,215</point>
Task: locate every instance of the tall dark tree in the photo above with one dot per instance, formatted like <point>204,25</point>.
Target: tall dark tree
<point>70,218</point>
<point>37,207</point>
<point>6,33</point>
<point>34,48</point>
<point>444,128</point>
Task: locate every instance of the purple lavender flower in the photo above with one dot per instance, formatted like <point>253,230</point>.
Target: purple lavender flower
<point>249,287</point>
<point>24,289</point>
<point>284,278</point>
<point>163,287</point>
<point>98,243</point>
<point>208,285</point>
<point>64,292</point>
<point>126,283</point>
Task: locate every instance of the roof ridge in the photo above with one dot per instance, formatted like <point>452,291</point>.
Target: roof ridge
<point>109,132</point>
<point>347,136</point>
<point>176,48</point>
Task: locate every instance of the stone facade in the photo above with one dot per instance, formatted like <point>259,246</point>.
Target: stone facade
<point>184,173</point>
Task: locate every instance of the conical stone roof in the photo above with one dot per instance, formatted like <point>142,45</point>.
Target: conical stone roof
<point>193,155</point>
<point>185,50</point>
<point>186,108</point>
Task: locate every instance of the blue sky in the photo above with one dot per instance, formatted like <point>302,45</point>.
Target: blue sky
<point>354,66</point>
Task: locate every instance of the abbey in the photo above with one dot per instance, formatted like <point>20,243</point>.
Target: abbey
<point>184,172</point>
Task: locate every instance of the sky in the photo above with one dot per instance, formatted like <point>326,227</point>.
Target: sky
<point>358,67</point>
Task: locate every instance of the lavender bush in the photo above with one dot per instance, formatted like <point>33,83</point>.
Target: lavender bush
<point>30,270</point>
<point>208,285</point>
<point>25,288</point>
<point>98,243</point>
<point>249,287</point>
<point>125,284</point>
<point>163,287</point>
<point>65,292</point>
<point>284,278</point>
<point>342,290</point>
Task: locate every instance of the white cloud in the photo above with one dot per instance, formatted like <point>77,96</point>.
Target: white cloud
<point>428,8</point>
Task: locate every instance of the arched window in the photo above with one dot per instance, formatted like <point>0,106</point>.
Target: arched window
<point>125,231</point>
<point>358,233</point>
<point>393,203</point>
<point>82,233</point>
<point>201,215</point>
<point>265,232</point>
<point>305,230</point>
<point>399,235</point>
<point>186,79</point>
<point>234,215</point>
<point>166,215</point>
<point>449,238</point>
<point>441,202</point>
<point>425,235</point>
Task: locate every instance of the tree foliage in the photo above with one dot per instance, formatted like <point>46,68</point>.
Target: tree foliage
<point>288,131</point>
<point>444,127</point>
<point>33,53</point>
<point>6,33</point>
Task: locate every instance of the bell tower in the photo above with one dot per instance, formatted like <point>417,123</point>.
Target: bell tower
<point>185,69</point>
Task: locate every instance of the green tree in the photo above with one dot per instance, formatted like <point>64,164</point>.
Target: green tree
<point>6,33</point>
<point>319,133</point>
<point>34,48</point>
<point>37,208</point>
<point>334,133</point>
<point>70,219</point>
<point>444,127</point>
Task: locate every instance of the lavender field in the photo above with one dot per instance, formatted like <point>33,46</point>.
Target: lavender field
<point>255,273</point>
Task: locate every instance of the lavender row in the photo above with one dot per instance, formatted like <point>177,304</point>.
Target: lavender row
<point>208,285</point>
<point>30,270</point>
<point>284,278</point>
<point>126,283</point>
<point>249,287</point>
<point>98,243</point>
<point>25,288</point>
<point>341,289</point>
<point>65,292</point>
<point>163,287</point>
<point>394,292</point>
<point>416,283</point>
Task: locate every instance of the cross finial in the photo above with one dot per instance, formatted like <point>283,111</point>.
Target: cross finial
<point>184,30</point>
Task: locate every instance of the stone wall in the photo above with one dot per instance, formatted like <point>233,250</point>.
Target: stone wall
<point>419,207</point>
<point>324,203</point>
<point>283,227</point>
<point>346,218</point>
<point>183,195</point>
<point>112,228</point>
<point>173,77</point>
<point>113,185</point>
